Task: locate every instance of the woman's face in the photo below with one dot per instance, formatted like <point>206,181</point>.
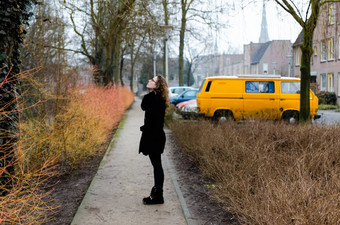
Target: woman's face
<point>152,83</point>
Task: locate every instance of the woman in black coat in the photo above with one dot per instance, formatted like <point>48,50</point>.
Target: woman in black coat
<point>152,141</point>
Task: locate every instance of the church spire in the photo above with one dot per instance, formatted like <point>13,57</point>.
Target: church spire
<point>264,29</point>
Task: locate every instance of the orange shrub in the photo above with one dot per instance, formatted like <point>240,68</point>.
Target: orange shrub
<point>80,128</point>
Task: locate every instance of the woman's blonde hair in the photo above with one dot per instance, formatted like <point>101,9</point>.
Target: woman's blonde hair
<point>162,88</point>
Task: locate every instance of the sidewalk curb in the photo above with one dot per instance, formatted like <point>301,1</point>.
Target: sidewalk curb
<point>173,176</point>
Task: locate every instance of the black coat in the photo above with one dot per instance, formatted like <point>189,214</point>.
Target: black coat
<point>153,136</point>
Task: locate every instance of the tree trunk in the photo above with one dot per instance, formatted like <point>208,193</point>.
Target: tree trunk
<point>13,13</point>
<point>132,68</point>
<point>121,70</point>
<point>181,49</point>
<point>189,73</point>
<point>307,51</point>
<point>166,22</point>
<point>116,60</point>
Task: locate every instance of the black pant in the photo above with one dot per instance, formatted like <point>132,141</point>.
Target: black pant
<point>158,173</point>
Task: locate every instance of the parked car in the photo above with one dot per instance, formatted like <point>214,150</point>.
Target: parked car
<point>175,91</point>
<point>180,105</point>
<point>187,109</point>
<point>185,96</point>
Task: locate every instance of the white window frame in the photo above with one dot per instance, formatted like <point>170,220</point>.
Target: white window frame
<point>323,49</point>
<point>265,68</point>
<point>330,81</point>
<point>297,56</point>
<point>323,82</point>
<point>330,49</point>
<point>331,14</point>
<point>315,50</point>
<point>339,46</point>
<point>339,84</point>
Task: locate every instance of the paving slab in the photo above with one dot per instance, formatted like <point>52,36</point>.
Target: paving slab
<point>123,179</point>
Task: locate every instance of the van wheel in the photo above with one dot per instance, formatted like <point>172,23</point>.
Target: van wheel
<point>291,117</point>
<point>223,115</point>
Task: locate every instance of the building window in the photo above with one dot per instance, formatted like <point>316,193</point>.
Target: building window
<point>265,68</point>
<point>330,49</point>
<point>339,45</point>
<point>297,56</point>
<point>330,82</point>
<point>315,51</point>
<point>323,51</point>
<point>331,14</point>
<point>323,82</point>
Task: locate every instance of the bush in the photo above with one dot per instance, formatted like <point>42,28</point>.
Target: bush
<point>77,132</point>
<point>267,172</point>
<point>21,199</point>
<point>328,98</point>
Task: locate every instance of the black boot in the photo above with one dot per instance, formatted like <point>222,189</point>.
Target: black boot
<point>156,197</point>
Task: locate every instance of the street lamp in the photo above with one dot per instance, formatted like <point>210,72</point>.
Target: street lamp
<point>154,64</point>
<point>166,29</point>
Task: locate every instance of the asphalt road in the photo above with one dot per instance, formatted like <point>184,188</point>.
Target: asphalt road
<point>328,117</point>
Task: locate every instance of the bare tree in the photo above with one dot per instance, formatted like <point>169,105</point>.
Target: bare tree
<point>101,43</point>
<point>202,13</point>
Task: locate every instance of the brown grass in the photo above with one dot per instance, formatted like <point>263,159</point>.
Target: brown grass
<point>268,172</point>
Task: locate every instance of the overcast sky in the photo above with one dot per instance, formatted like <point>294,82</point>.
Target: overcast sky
<point>245,26</point>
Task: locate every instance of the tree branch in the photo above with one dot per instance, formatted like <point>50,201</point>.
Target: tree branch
<point>288,7</point>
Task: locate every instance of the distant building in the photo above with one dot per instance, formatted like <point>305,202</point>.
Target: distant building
<point>271,57</point>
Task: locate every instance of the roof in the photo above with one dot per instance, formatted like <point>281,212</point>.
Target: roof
<point>255,76</point>
<point>256,58</point>
<point>299,39</point>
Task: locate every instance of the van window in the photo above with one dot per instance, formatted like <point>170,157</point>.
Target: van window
<point>290,87</point>
<point>208,87</point>
<point>199,91</point>
<point>260,87</point>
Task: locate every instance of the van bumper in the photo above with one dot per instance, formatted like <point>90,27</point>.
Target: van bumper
<point>317,117</point>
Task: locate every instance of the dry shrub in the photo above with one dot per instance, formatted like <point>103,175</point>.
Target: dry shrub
<point>25,202</point>
<point>269,172</point>
<point>21,199</point>
<point>77,132</point>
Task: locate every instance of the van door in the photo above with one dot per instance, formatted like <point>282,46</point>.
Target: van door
<point>261,100</point>
<point>290,96</point>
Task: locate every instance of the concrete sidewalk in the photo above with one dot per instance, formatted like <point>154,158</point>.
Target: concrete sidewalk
<point>123,179</point>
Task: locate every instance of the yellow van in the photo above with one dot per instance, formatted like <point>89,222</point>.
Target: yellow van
<point>250,96</point>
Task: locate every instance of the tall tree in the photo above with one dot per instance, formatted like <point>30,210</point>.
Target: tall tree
<point>108,20</point>
<point>308,22</point>
<point>185,6</point>
<point>204,14</point>
<point>13,15</point>
<point>165,4</point>
<point>44,44</point>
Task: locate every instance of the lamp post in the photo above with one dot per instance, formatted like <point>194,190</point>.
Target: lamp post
<point>154,65</point>
<point>166,29</point>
